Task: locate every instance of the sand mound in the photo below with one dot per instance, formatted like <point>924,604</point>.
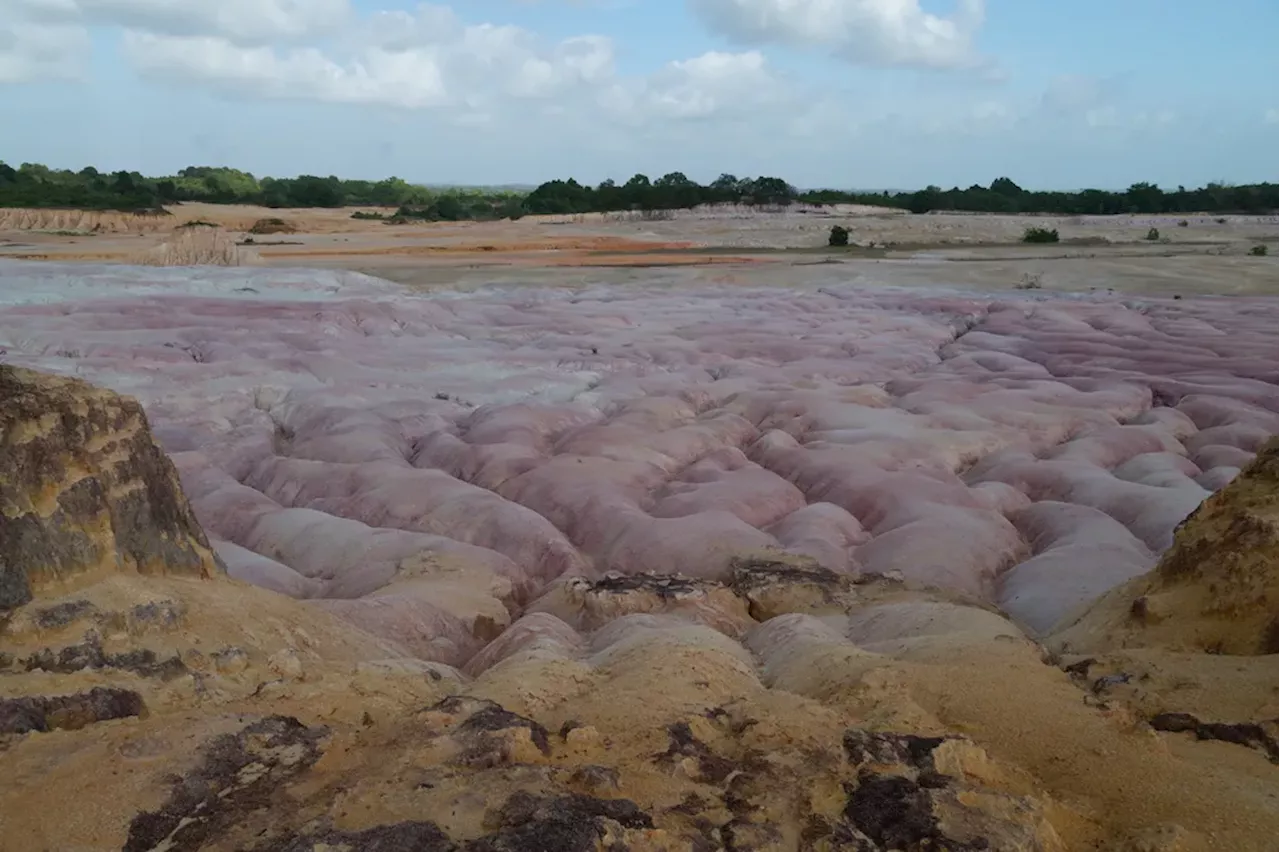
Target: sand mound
<point>272,225</point>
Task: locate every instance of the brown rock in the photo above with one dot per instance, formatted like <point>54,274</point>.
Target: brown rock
<point>84,490</point>
<point>67,712</point>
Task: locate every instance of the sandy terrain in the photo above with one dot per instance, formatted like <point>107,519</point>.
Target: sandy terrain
<point>733,521</point>
<point>752,247</point>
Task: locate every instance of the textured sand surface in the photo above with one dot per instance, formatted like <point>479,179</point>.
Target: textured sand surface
<point>704,533</point>
<point>388,454</point>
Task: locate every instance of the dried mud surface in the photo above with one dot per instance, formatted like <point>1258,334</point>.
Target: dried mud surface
<point>716,566</point>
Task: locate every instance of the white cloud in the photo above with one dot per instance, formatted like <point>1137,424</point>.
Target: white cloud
<point>241,21</point>
<point>871,32</point>
<point>430,59</point>
<point>35,43</point>
<point>379,77</point>
<point>406,67</point>
<point>714,84</point>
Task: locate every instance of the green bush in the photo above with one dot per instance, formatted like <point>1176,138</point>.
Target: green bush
<point>839,236</point>
<point>272,225</point>
<point>1153,235</point>
<point>1040,235</point>
<point>1183,223</point>
<point>364,214</point>
<point>1258,251</point>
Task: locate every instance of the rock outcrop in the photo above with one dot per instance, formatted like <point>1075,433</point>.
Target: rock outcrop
<point>85,492</point>
<point>1214,591</point>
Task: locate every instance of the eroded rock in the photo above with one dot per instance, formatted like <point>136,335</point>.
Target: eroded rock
<point>237,774</point>
<point>43,713</point>
<point>84,490</point>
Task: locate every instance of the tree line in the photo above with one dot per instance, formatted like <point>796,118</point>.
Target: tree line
<point>35,185</point>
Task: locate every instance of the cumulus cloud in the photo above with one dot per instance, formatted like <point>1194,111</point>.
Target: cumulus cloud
<point>870,32</point>
<point>714,84</point>
<point>462,74</point>
<point>430,58</point>
<point>396,79</point>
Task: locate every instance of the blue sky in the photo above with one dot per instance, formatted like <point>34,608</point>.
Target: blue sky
<point>848,93</point>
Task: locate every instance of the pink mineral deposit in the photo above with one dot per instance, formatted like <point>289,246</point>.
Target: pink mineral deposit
<point>430,466</point>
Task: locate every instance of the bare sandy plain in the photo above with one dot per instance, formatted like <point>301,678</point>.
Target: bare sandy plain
<point>1209,254</point>
<point>701,495</point>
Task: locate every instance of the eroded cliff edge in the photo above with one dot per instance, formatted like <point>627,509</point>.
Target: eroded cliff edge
<point>1214,591</point>
<point>786,707</point>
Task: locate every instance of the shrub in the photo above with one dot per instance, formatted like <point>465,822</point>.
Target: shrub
<point>1183,223</point>
<point>1153,235</point>
<point>365,214</point>
<point>1040,235</point>
<point>839,236</point>
<point>1221,220</point>
<point>1258,251</point>
<point>198,223</point>
<point>272,226</point>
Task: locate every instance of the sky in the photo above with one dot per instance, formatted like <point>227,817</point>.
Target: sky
<point>823,93</point>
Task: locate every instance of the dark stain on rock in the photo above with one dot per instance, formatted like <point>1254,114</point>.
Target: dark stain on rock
<point>595,777</point>
<point>397,837</point>
<point>1107,682</point>
<point>1246,733</point>
<point>664,586</point>
<point>496,718</point>
<point>751,573</point>
<point>896,813</point>
<point>1270,643</point>
<point>60,615</point>
<point>574,823</point>
<point>691,804</point>
<point>481,721</point>
<point>1080,669</point>
<point>1140,609</point>
<point>219,792</point>
<point>712,768</point>
<point>863,747</point>
<point>43,713</point>
<point>163,614</point>
<point>90,655</point>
